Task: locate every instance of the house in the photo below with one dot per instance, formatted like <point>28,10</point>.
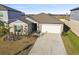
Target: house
<point>15,19</point>
<point>45,23</point>
<point>74,20</point>
<point>24,25</point>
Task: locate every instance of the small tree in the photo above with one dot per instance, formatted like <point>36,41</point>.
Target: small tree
<point>3,29</point>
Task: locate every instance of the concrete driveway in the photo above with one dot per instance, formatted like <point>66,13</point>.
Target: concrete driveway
<point>48,44</point>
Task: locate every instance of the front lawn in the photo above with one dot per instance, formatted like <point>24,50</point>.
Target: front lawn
<point>15,47</point>
<point>71,42</point>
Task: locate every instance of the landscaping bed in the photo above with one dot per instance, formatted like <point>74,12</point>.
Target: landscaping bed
<point>71,42</point>
<point>15,47</point>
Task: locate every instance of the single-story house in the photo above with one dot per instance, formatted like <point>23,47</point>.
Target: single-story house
<point>45,23</point>
<point>24,24</point>
<point>74,20</point>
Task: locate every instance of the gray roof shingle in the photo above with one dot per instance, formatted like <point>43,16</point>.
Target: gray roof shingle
<point>45,19</point>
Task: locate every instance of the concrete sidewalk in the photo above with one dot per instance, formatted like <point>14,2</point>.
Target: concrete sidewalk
<point>74,25</point>
<point>48,44</point>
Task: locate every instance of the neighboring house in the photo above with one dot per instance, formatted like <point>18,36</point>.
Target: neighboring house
<point>74,20</point>
<point>15,19</point>
<point>45,23</point>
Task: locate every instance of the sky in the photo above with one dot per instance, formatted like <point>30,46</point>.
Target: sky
<point>44,8</point>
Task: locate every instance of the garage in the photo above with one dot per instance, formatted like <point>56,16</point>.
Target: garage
<point>47,23</point>
<point>52,28</point>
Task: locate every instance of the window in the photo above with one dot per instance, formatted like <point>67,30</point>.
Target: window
<point>1,14</point>
<point>18,28</point>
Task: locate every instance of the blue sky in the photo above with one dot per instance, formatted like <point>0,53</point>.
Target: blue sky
<point>47,8</point>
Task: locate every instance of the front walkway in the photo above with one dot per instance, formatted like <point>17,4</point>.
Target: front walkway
<point>48,44</point>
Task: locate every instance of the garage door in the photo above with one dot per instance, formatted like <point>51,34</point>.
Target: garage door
<point>53,28</point>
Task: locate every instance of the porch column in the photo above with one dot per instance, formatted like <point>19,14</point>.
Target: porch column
<point>38,28</point>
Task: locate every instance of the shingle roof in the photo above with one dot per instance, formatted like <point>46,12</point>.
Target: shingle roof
<point>75,9</point>
<point>45,19</point>
<point>21,19</point>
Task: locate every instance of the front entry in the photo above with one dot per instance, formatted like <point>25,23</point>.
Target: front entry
<point>34,26</point>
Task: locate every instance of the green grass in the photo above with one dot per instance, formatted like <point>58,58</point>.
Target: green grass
<point>71,42</point>
<point>63,17</point>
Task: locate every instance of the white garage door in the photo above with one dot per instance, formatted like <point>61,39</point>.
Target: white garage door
<point>52,28</point>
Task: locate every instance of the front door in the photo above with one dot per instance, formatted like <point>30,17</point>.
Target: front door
<point>34,27</point>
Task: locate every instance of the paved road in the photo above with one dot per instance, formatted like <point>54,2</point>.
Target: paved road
<point>48,44</point>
